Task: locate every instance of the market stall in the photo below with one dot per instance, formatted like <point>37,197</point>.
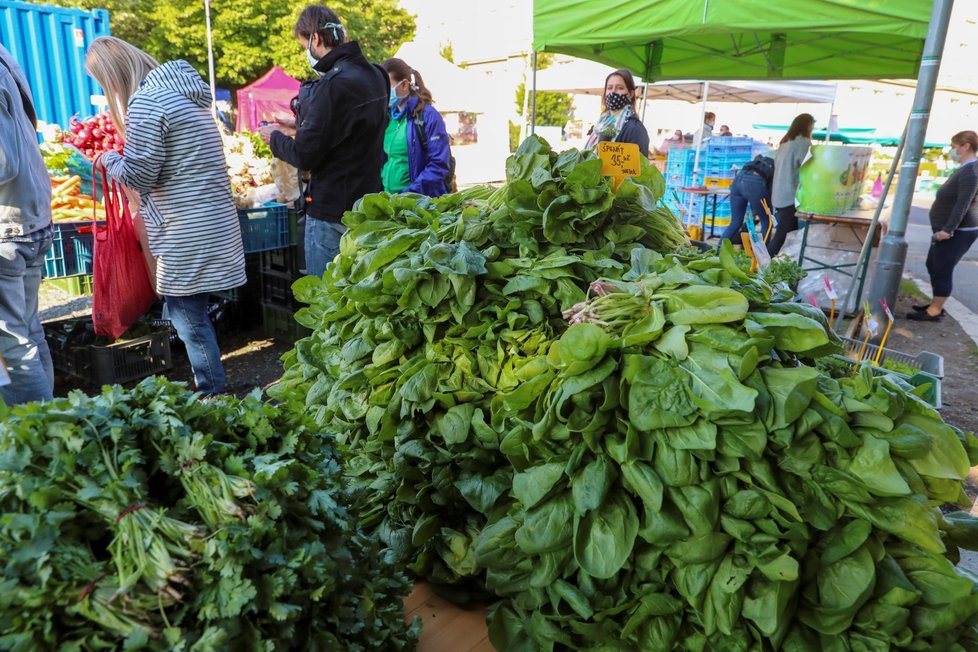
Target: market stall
<point>265,98</point>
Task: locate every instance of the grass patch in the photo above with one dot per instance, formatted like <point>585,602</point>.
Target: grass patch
<point>972,347</point>
<point>910,289</point>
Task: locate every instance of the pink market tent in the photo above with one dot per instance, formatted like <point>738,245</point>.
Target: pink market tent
<point>265,98</point>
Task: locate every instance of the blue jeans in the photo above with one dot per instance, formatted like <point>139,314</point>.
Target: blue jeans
<point>22,343</point>
<point>195,330</point>
<point>322,241</point>
<point>747,188</point>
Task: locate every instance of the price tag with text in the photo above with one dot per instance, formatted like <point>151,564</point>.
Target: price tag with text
<point>871,324</point>
<point>619,160</point>
<point>829,290</point>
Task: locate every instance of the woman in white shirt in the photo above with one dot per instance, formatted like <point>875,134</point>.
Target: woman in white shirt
<point>790,155</point>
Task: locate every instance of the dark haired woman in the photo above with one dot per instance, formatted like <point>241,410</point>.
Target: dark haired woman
<point>954,221</point>
<point>618,122</point>
<point>416,141</point>
<point>339,136</point>
<point>787,163</point>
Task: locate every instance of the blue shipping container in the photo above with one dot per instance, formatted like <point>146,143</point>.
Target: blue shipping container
<point>50,44</point>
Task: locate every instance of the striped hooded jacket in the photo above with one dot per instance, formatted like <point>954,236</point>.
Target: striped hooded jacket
<point>174,158</point>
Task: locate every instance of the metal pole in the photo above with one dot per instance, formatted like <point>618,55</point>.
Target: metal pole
<point>210,57</point>
<point>645,99</point>
<point>893,251</point>
<point>697,143</point>
<point>862,263</point>
<point>533,100</point>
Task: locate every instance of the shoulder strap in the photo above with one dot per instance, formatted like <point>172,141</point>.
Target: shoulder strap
<point>418,120</point>
<point>28,105</point>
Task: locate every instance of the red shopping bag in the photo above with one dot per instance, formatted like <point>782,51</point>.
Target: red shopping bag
<point>122,290</point>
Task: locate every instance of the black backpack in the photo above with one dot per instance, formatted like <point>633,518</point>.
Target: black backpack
<point>423,138</point>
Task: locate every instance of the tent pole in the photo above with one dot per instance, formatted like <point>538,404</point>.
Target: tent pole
<point>533,98</point>
<point>645,99</point>
<point>210,57</point>
<point>893,249</point>
<point>697,144</point>
<point>862,263</point>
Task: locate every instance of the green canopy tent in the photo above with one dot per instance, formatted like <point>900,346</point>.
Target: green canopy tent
<point>739,39</point>
<point>760,39</point>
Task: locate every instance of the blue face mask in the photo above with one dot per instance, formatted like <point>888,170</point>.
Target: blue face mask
<point>394,99</point>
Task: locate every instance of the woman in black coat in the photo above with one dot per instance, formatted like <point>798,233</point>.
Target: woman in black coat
<point>618,122</point>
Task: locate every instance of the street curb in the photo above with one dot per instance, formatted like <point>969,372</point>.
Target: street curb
<point>957,310</point>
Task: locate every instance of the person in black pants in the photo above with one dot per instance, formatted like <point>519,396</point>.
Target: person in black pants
<point>750,186</point>
<point>792,152</point>
<point>954,221</point>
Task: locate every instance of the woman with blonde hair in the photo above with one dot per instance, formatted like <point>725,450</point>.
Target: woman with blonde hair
<point>174,159</point>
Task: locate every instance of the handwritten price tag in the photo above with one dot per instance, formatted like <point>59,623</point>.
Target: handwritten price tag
<point>829,290</point>
<point>619,160</point>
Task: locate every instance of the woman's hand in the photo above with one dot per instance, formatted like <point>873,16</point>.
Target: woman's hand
<point>285,121</point>
<point>97,162</point>
<point>942,235</point>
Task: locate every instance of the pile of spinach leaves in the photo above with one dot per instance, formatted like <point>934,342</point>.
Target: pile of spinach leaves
<point>149,519</point>
<point>670,472</point>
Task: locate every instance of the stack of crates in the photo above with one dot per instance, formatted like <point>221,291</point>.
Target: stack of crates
<point>679,174</point>
<point>279,270</point>
<point>68,264</point>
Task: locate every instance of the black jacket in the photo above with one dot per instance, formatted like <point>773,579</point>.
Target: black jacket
<point>633,131</point>
<point>340,136</point>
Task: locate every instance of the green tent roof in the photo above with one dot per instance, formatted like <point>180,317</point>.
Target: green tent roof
<point>739,39</point>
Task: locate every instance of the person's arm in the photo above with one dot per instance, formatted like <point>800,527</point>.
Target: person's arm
<point>146,129</point>
<point>967,189</point>
<point>10,154</point>
<point>434,175</point>
<point>323,125</point>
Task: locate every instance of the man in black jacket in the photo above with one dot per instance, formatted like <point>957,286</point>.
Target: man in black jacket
<point>339,136</point>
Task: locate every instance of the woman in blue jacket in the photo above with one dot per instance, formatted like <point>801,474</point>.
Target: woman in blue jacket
<point>416,142</point>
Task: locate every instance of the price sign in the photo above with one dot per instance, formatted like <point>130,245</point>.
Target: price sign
<point>812,300</point>
<point>619,161</point>
<point>829,290</point>
<point>871,324</point>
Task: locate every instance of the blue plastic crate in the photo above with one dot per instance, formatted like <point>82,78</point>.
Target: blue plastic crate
<point>264,228</point>
<point>71,250</point>
<point>730,141</point>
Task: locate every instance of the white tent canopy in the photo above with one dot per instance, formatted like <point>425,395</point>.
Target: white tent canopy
<point>587,78</point>
<point>453,88</point>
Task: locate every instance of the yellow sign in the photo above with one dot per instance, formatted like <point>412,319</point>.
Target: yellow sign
<point>619,160</point>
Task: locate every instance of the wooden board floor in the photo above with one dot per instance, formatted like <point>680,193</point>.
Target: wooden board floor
<point>446,627</point>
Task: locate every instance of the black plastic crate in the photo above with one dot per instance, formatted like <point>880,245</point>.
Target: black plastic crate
<point>122,362</point>
<point>282,261</point>
<point>276,290</point>
<point>280,324</point>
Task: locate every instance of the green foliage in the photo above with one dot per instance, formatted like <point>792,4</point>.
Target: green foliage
<point>150,519</point>
<point>553,109</point>
<point>249,36</point>
<point>543,396</point>
<point>447,52</point>
<point>514,136</point>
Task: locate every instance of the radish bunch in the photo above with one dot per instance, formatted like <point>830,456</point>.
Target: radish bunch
<point>94,136</point>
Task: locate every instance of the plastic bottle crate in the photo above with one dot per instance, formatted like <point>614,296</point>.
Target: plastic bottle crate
<point>74,286</point>
<point>264,228</point>
<point>71,250</point>
<point>280,324</point>
<point>121,362</point>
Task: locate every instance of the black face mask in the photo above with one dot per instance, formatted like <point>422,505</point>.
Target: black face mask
<point>616,101</point>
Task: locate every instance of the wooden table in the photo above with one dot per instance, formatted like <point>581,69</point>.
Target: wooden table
<point>706,193</point>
